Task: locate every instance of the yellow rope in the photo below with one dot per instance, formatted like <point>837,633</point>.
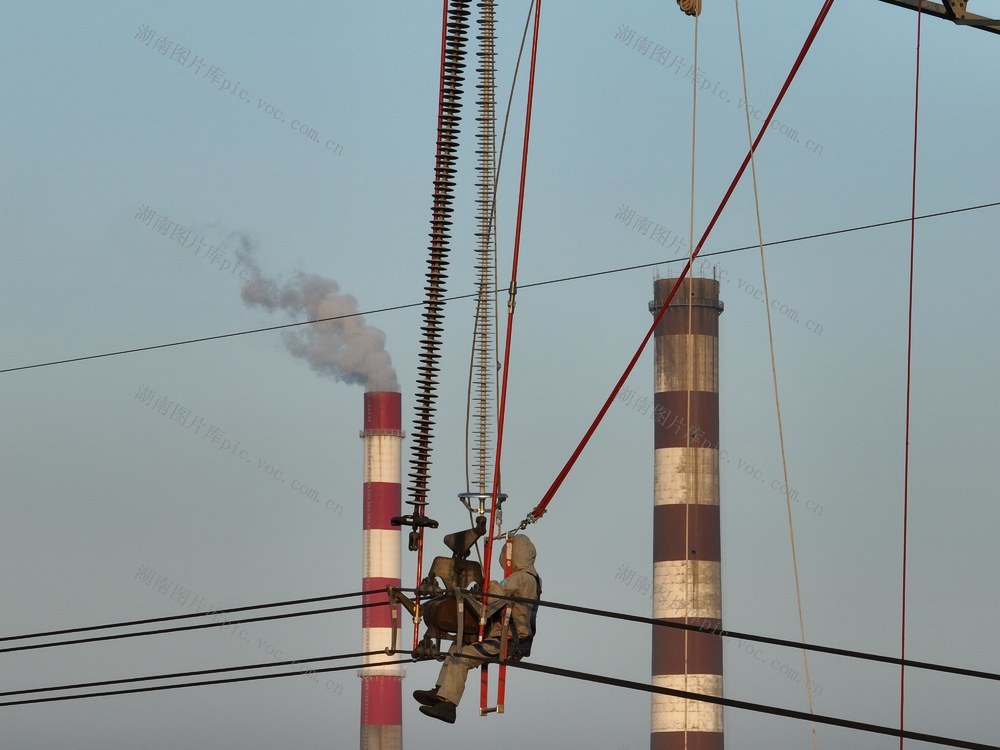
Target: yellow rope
<point>774,377</point>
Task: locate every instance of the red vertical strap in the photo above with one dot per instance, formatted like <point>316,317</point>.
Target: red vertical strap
<point>484,689</point>
<point>502,671</point>
<point>502,677</point>
<point>488,551</point>
<point>557,483</point>
<point>508,554</point>
<point>484,708</point>
<point>909,351</point>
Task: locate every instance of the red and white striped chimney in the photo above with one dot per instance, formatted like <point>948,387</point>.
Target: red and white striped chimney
<point>381,687</point>
<point>687,567</point>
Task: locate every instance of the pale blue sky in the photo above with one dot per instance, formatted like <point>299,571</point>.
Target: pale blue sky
<point>101,489</point>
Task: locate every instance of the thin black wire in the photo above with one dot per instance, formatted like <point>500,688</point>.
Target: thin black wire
<point>544,603</point>
<point>203,683</point>
<point>473,294</point>
<point>757,246</point>
<point>162,631</point>
<point>170,618</point>
<point>212,338</point>
<point>751,637</point>
<point>196,673</point>
<point>750,706</point>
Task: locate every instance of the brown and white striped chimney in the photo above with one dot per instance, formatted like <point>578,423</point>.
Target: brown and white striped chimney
<point>687,566</point>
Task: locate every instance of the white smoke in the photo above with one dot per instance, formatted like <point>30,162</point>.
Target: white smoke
<point>346,348</point>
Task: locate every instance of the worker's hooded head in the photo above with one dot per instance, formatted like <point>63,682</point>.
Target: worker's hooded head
<point>522,556</point>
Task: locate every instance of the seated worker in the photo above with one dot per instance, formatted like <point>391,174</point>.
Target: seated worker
<point>523,581</point>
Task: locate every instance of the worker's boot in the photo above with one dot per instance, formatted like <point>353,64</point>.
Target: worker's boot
<point>442,710</point>
<point>426,697</point>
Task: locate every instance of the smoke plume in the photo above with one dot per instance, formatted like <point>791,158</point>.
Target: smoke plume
<point>346,349</point>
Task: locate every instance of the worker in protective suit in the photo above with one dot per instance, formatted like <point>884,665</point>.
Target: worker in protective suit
<point>522,581</point>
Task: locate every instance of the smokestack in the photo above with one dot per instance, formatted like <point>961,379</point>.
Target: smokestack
<point>687,567</point>
<point>381,687</point>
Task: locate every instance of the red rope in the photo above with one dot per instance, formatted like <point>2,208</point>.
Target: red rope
<point>513,291</point>
<point>909,351</point>
<point>488,549</point>
<point>546,499</point>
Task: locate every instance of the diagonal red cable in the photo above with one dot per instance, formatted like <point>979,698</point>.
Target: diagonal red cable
<point>909,351</point>
<point>539,510</point>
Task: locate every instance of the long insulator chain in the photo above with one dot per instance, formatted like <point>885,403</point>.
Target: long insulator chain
<point>485,354</point>
<point>449,114</point>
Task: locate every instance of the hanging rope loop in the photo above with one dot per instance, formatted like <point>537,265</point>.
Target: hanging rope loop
<point>691,7</point>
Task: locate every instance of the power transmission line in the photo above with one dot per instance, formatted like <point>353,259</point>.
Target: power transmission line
<point>162,631</point>
<point>530,666</point>
<point>195,673</point>
<point>202,683</point>
<point>751,706</point>
<point>171,618</point>
<point>543,603</point>
<point>560,280</point>
<point>751,637</point>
